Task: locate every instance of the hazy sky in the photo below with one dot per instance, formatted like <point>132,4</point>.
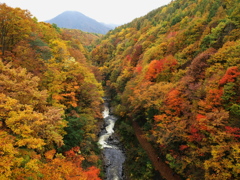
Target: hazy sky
<point>107,11</point>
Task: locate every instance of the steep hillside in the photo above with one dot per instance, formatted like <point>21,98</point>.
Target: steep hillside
<point>77,20</point>
<point>176,72</point>
<point>50,101</point>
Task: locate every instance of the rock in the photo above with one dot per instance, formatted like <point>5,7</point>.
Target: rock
<point>107,162</point>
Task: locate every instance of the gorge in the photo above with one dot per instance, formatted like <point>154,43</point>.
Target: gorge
<point>113,155</point>
<point>173,77</point>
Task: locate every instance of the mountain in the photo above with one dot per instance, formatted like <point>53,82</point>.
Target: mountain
<point>77,20</point>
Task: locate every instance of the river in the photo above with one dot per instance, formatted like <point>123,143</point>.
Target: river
<point>113,155</point>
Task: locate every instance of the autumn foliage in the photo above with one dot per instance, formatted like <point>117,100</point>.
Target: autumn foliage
<point>45,82</point>
<point>175,71</point>
<point>230,76</point>
<point>160,67</point>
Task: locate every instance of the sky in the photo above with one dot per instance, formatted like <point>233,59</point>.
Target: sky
<point>106,11</point>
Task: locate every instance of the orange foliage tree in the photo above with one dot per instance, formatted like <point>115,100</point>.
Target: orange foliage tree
<point>161,69</point>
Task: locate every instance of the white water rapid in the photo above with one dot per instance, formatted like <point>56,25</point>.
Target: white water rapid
<point>112,153</point>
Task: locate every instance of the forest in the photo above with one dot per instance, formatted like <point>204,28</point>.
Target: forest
<point>50,103</point>
<point>175,72</point>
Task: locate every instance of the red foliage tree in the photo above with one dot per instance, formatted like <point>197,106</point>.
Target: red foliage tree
<point>230,75</point>
<point>195,135</point>
<point>234,131</point>
<point>138,69</point>
<point>183,147</point>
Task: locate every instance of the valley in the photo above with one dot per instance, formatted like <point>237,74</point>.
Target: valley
<point>172,78</point>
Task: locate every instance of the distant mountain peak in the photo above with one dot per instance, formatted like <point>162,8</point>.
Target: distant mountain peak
<point>77,20</point>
